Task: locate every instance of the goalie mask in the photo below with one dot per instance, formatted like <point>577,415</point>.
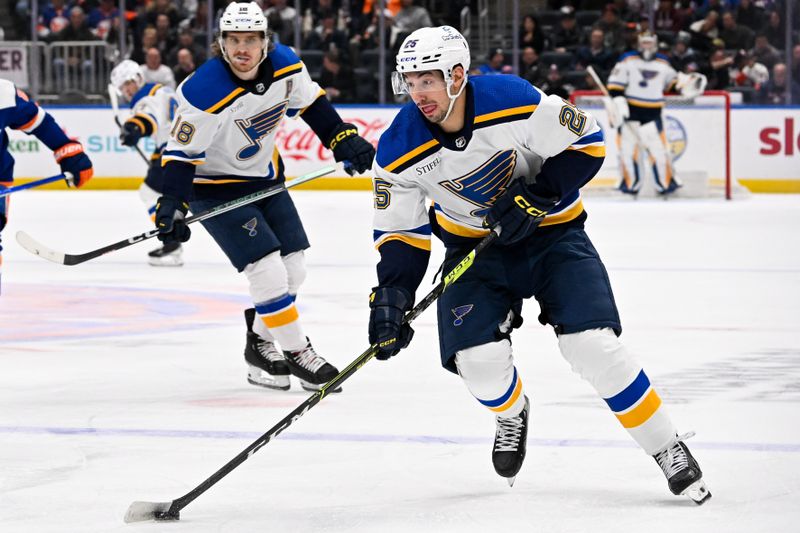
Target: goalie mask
<point>127,71</point>
<point>242,17</point>
<point>648,46</point>
<point>442,48</point>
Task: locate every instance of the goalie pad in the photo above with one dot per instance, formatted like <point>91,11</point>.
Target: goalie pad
<point>692,84</point>
<point>617,109</point>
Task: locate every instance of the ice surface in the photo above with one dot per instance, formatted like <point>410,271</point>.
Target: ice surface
<point>123,382</point>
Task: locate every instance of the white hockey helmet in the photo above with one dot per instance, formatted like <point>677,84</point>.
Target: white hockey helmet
<point>242,16</point>
<point>647,45</point>
<point>126,71</point>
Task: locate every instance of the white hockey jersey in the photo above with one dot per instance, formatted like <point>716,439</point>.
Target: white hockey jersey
<point>154,105</point>
<point>230,132</point>
<point>643,82</point>
<point>511,129</point>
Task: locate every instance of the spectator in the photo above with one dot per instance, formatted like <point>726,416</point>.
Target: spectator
<point>529,65</point>
<point>775,30</point>
<point>764,52</point>
<point>554,84</point>
<point>186,40</point>
<point>77,29</point>
<point>337,80</point>
<point>736,37</point>
<point>327,37</point>
<point>409,19</point>
<point>719,72</point>
<point>682,54</point>
<point>81,69</point>
<point>596,54</point>
<point>495,64</point>
<point>750,73</point>
<point>165,35</point>
<point>155,72</point>
<point>185,65</point>
<point>567,36</point>
<point>773,92</point>
<point>750,15</point>
<point>667,18</point>
<point>101,17</point>
<point>531,34</point>
<point>149,40</point>
<point>704,31</point>
<point>281,20</point>
<point>625,9</point>
<point>53,18</point>
<point>613,29</point>
<point>161,7</point>
<point>796,64</point>
<point>199,21</point>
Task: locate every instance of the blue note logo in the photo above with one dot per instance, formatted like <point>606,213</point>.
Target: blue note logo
<point>257,127</point>
<point>250,226</point>
<point>460,312</point>
<point>483,185</point>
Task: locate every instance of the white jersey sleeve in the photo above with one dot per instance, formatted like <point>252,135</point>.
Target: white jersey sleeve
<point>304,93</point>
<point>400,210</point>
<point>193,131</point>
<point>159,107</point>
<point>558,125</point>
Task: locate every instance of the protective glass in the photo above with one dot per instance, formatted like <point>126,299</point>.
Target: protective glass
<point>420,84</point>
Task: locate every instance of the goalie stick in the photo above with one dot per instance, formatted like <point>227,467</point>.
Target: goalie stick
<point>140,511</point>
<point>37,248</point>
<point>114,98</point>
<point>32,184</point>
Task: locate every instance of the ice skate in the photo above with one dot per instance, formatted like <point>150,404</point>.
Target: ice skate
<point>682,471</point>
<point>312,370</point>
<point>510,441</point>
<point>168,255</point>
<point>266,365</point>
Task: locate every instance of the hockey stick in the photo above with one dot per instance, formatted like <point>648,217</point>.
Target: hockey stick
<point>37,248</point>
<point>32,184</point>
<point>113,96</point>
<point>141,511</point>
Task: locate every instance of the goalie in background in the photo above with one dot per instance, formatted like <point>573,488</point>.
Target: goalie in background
<point>637,85</point>
<point>153,106</point>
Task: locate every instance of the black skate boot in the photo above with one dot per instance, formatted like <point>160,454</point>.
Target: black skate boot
<point>510,441</point>
<point>266,365</point>
<point>311,369</point>
<point>682,471</point>
<point>168,255</point>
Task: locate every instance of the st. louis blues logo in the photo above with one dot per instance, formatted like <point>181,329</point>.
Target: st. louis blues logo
<point>647,75</point>
<point>257,127</point>
<point>460,312</point>
<point>250,226</point>
<point>483,185</point>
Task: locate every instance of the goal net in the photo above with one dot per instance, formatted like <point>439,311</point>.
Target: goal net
<point>698,132</point>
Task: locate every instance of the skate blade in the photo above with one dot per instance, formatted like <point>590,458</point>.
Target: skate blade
<point>697,492</point>
<point>511,480</point>
<point>313,387</point>
<point>160,263</point>
<point>277,383</point>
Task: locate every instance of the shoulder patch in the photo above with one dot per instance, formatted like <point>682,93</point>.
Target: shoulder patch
<point>633,54</point>
<point>405,142</point>
<point>503,98</point>
<point>284,62</point>
<point>211,88</point>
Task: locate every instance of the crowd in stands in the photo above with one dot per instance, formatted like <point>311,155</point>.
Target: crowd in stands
<point>738,44</point>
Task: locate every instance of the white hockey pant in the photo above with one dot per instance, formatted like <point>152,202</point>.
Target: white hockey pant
<point>600,358</point>
<point>274,282</point>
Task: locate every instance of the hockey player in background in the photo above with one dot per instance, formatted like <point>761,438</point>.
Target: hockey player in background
<point>222,139</point>
<point>19,113</point>
<point>495,151</point>
<point>153,107</point>
<point>637,85</point>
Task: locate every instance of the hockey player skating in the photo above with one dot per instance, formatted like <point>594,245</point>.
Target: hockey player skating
<point>637,85</point>
<point>228,112</point>
<point>19,113</point>
<point>491,151</point>
<point>153,107</point>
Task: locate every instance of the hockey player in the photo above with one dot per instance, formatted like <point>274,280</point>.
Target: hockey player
<point>495,151</point>
<point>19,113</point>
<point>225,124</point>
<point>153,107</point>
<point>637,85</point>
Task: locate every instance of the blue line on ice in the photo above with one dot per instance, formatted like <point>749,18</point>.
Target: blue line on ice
<point>414,439</point>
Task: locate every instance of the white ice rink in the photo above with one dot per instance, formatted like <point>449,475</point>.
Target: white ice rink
<point>122,382</point>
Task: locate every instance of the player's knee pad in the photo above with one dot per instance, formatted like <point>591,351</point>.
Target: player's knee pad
<point>148,195</point>
<point>268,278</point>
<point>486,369</point>
<point>295,264</point>
<point>600,358</point>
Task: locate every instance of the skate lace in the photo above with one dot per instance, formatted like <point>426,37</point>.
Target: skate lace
<point>269,352</point>
<point>674,459</point>
<point>509,433</point>
<point>308,359</point>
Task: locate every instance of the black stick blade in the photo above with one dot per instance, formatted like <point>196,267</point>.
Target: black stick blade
<point>143,511</point>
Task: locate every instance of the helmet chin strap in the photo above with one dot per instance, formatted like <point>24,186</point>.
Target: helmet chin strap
<point>453,98</point>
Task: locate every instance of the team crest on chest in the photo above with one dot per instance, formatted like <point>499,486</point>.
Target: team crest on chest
<point>257,127</point>
<point>483,185</point>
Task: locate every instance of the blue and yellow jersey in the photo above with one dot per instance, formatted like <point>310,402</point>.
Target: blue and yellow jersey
<point>642,82</point>
<point>228,131</point>
<point>153,108</point>
<point>511,129</point>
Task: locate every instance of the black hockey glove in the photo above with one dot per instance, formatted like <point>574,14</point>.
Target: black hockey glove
<point>170,220</point>
<point>348,146</point>
<point>130,134</point>
<point>386,329</point>
<point>518,212</point>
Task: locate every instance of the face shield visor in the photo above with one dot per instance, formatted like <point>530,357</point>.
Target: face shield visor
<point>418,84</point>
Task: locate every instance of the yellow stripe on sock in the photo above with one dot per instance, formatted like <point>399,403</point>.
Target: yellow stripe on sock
<point>642,412</point>
<point>287,316</point>
<point>510,402</point>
